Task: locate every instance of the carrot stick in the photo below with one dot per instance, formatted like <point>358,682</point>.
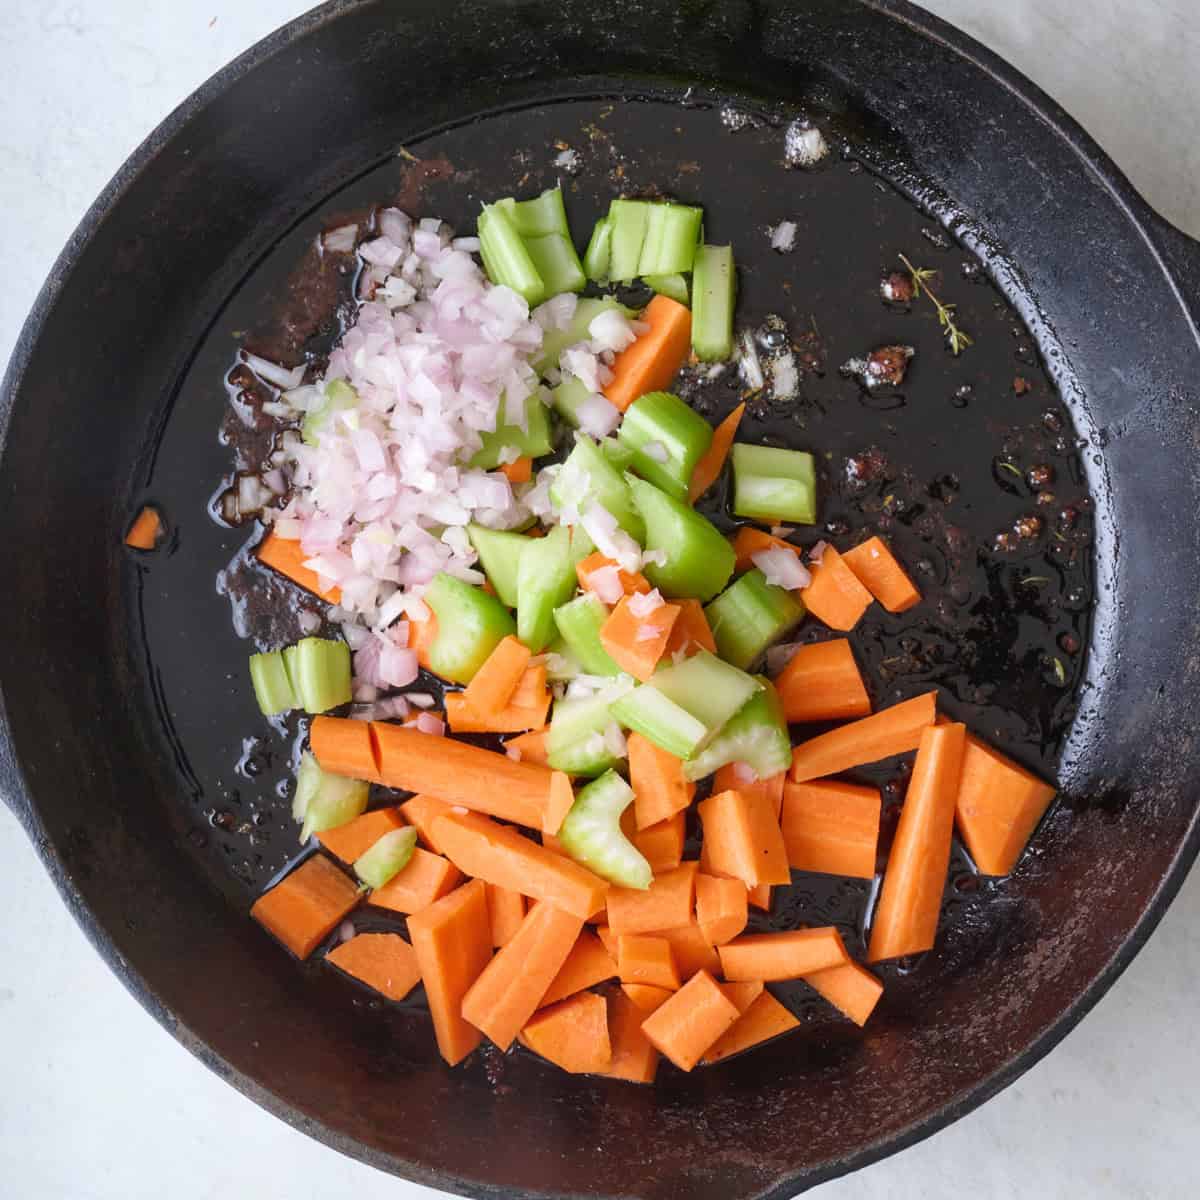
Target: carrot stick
<point>727,779</point>
<point>748,541</point>
<point>421,636</point>
<point>721,908</point>
<point>876,568</point>
<point>498,854</point>
<point>561,801</point>
<point>608,940</point>
<point>355,838</point>
<point>692,1020</point>
<point>659,788</point>
<point>531,687</point>
<point>383,961</point>
<point>453,943</point>
<point>835,595</point>
<point>831,827</point>
<point>144,532</point>
<point>631,581</point>
<point>691,631</point>
<point>743,838</point>
<point>573,1035</point>
<point>763,1021</point>
<point>691,949</point>
<point>706,472</point>
<point>647,960</point>
<point>665,904</point>
<point>464,717</point>
<point>509,988</point>
<point>491,689</point>
<point>285,556</point>
<point>519,470</point>
<point>850,988</point>
<point>635,643</point>
<point>779,956</point>
<point>743,993</point>
<point>506,911</point>
<point>906,919</point>
<point>422,811</point>
<point>823,683</point>
<point>426,878</point>
<point>661,845</point>
<point>633,1057</point>
<point>651,362</point>
<point>646,997</point>
<point>894,730</point>
<point>999,805</point>
<point>529,747</point>
<point>588,964</point>
<point>344,748</point>
<point>304,906</point>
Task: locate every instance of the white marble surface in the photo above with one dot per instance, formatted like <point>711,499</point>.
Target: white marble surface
<point>1111,1113</point>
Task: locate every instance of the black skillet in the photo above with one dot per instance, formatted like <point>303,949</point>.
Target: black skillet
<point>111,800</point>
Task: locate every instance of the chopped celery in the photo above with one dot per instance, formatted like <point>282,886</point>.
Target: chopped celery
<point>757,734</point>
<point>711,690</point>
<point>338,395</point>
<point>713,293</point>
<point>537,217</point>
<point>699,560</point>
<point>387,857</point>
<point>749,615</point>
<point>320,674</point>
<point>324,800</point>
<point>505,256</point>
<point>272,685</point>
<point>545,579</point>
<point>667,438</point>
<point>499,553</point>
<point>774,485</point>
<point>555,341</point>
<point>599,248</point>
<point>566,398</point>
<point>470,624</point>
<point>617,453</point>
<point>674,286</point>
<point>667,724</point>
<point>672,231</point>
<point>579,624</point>
<point>628,219</point>
<point>591,833</point>
<point>557,262</point>
<point>561,663</point>
<point>580,740</point>
<point>581,545</point>
<point>587,475</point>
<point>534,440</point>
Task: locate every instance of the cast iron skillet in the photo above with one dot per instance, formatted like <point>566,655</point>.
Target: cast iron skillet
<point>89,386</point>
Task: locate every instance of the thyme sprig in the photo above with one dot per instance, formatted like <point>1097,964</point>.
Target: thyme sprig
<point>958,338</point>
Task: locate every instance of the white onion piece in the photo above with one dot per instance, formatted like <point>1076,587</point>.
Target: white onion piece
<point>420,699</point>
<point>783,236</point>
<point>782,568</point>
<point>642,604</point>
<point>308,622</point>
<point>654,558</point>
<point>611,329</point>
<point>779,656</point>
<point>744,772</point>
<point>614,741</point>
<point>803,144</point>
<point>597,415</point>
<point>284,378</point>
<point>340,240</point>
<point>428,723</point>
<point>606,583</point>
<point>646,633</point>
<point>612,541</point>
<point>749,364</point>
<point>815,554</point>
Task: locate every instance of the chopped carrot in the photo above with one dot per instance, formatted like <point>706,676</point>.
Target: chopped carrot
<point>529,747</point>
<point>635,643</point>
<point>608,940</point>
<point>729,779</point>
<point>383,961</point>
<point>344,748</point>
<point>760,897</point>
<point>146,529</point>
<point>572,1035</point>
<point>551,842</point>
<point>648,960</point>
<point>765,1020</point>
<point>659,788</point>
<point>588,964</point>
<point>491,689</point>
<point>906,918</point>
<point>422,811</point>
<point>748,541</point>
<point>355,838</point>
<point>691,949</point>
<point>835,595</point>
<point>285,556</point>
<point>691,632</point>
<point>510,988</point>
<point>519,470</point>
<point>661,845</point>
<point>665,904</point>
<point>876,568</point>
<point>498,854</point>
<point>453,943</point>
<point>651,362</point>
<point>706,472</point>
<point>831,827</point>
<point>822,682</point>
<point>646,997</point>
<point>561,801</point>
<point>463,717</point>
<point>850,988</point>
<point>506,911</point>
<point>894,730</point>
<point>743,993</point>
<point>721,908</point>
<point>421,636</point>
<point>532,689</point>
<point>778,956</point>
<point>743,838</point>
<point>692,1020</point>
<point>304,906</point>
<point>999,806</point>
<point>631,581</point>
<point>633,1057</point>
<point>426,878</point>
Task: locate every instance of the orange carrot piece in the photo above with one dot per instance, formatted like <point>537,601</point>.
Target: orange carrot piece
<point>145,531</point>
<point>422,811</point>
<point>421,636</point>
<point>743,993</point>
<point>748,541</point>
<point>831,827</point>
<point>426,878</point>
<point>355,838</point>
<point>633,1057</point>
<point>463,717</point>
<point>519,470</point>
<point>634,643</point>
<point>608,940</point>
<point>691,631</point>
<point>383,961</point>
<point>506,911</point>
<point>728,779</point>
<point>562,798</point>
<point>492,687</point>
<point>651,362</point>
<point>665,904</point>
<point>894,730</point>
<point>765,1020</point>
<point>661,845</point>
<point>659,788</point>
<point>646,997</point>
<point>906,918</point>
<point>823,683</point>
<point>835,595</point>
<point>706,472</point>
<point>572,1035</point>
<point>760,897</point>
<point>691,950</point>
<point>631,581</point>
<point>304,906</point>
<point>648,960</point>
<point>498,854</point>
<point>452,940</point>
<point>777,956</point>
<point>876,568</point>
<point>721,908</point>
<point>529,747</point>
<point>692,1020</point>
<point>531,687</point>
<point>344,748</point>
<point>510,988</point>
<point>999,805</point>
<point>588,964</point>
<point>743,838</point>
<point>285,556</point>
<point>850,988</point>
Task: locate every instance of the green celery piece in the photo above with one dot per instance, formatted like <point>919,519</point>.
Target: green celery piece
<point>629,219</point>
<point>576,742</point>
<point>534,440</point>
<point>774,485</point>
<point>599,248</point>
<point>751,614</point>
<point>499,554</point>
<point>557,262</point>
<point>566,398</point>
<point>387,857</point>
<point>699,560</point>
<point>581,545</point>
<point>579,624</point>
<point>320,671</point>
<point>470,624</point>
<point>505,257</point>
<point>587,475</point>
<point>555,341</point>
<point>664,420</point>
<point>757,734</point>
<point>545,579</point>
<point>537,217</point>
<point>272,685</point>
<point>714,287</point>
<point>325,801</point>
<point>667,724</point>
<point>711,690</point>
<point>673,285</point>
<point>617,453</point>
<point>672,231</point>
<point>591,833</point>
<point>561,664</point>
<point>339,395</point>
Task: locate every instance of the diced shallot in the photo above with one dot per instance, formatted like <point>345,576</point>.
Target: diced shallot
<point>782,568</point>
